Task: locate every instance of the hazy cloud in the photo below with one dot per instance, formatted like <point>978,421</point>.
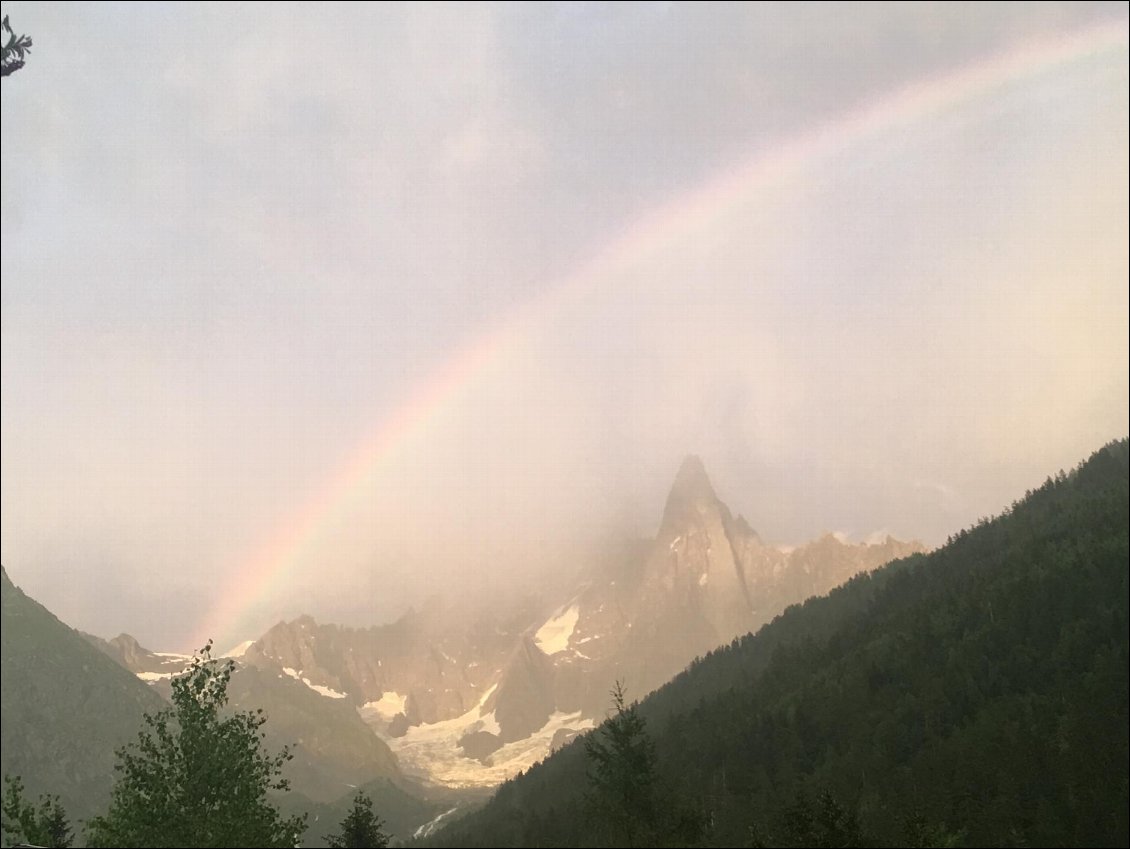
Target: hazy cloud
<point>236,240</point>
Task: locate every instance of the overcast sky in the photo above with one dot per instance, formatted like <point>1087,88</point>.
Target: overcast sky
<point>239,240</point>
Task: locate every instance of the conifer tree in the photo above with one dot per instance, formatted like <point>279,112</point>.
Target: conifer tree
<point>361,829</point>
<point>622,773</point>
<point>42,825</point>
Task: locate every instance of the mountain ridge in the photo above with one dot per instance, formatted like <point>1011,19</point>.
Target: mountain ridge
<point>704,579</point>
<point>974,695</point>
<point>66,707</point>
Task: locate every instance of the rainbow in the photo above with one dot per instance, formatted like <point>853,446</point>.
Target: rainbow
<point>674,222</point>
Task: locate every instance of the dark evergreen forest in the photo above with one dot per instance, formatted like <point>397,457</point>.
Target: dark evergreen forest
<point>972,696</point>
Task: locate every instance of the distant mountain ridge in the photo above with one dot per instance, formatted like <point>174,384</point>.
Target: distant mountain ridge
<point>333,748</point>
<point>506,686</point>
<point>466,699</point>
<point>975,695</point>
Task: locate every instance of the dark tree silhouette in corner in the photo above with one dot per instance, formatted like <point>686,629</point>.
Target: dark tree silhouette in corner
<point>14,50</point>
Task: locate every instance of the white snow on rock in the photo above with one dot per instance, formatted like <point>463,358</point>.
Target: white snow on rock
<point>317,688</point>
<point>554,635</point>
<point>703,579</point>
<point>240,650</point>
<point>324,691</point>
<point>385,708</point>
<point>482,701</point>
<point>432,826</point>
<point>156,676</point>
<point>432,751</point>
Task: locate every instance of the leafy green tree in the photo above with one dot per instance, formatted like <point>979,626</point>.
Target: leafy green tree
<point>198,777</point>
<point>361,829</point>
<point>45,825</point>
<point>13,50</point>
<point>621,773</point>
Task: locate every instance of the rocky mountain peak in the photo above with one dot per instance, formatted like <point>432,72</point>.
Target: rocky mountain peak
<point>690,494</point>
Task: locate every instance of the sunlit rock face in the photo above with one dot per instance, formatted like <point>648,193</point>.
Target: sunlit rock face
<point>471,698</point>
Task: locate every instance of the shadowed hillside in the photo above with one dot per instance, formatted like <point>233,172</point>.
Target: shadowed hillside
<point>66,707</point>
<point>973,696</point>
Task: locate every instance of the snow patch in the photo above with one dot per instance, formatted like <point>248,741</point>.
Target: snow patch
<point>324,691</point>
<point>386,707</point>
<point>432,751</point>
<point>485,696</point>
<point>703,579</point>
<point>317,688</point>
<point>240,650</point>
<point>490,723</point>
<point>174,655</point>
<point>554,635</point>
<point>432,826</point>
<point>156,676</point>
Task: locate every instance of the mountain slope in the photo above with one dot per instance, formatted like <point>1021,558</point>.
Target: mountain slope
<point>334,750</point>
<point>65,707</point>
<point>471,698</point>
<point>974,696</point>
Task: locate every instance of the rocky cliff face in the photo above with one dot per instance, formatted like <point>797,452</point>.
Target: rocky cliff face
<point>706,578</point>
<point>333,748</point>
<point>428,666</point>
<point>473,698</point>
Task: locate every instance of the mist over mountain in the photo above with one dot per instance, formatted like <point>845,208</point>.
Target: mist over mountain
<point>426,711</point>
<point>975,695</point>
<point>451,368</point>
<point>421,324</point>
<point>467,696</point>
<point>904,676</point>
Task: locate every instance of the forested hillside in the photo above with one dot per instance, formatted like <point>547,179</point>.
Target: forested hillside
<point>66,706</point>
<point>973,696</point>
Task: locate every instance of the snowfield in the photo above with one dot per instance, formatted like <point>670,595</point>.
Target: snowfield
<point>317,688</point>
<point>156,676</point>
<point>432,751</point>
<point>240,650</point>
<point>553,636</point>
<point>384,708</point>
